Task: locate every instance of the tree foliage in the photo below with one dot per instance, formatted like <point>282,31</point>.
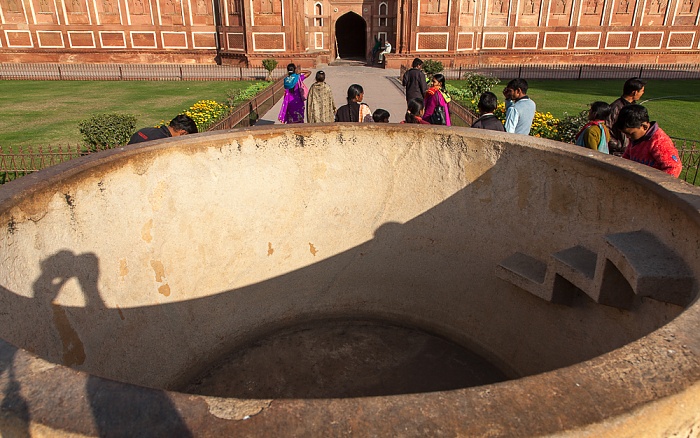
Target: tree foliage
<point>430,67</point>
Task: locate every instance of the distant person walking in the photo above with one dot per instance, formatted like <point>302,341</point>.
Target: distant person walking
<point>414,81</point>
<point>355,110</point>
<point>415,112</point>
<point>488,102</point>
<point>320,106</point>
<point>649,144</point>
<point>292,110</point>
<point>632,91</point>
<point>437,111</point>
<point>595,134</point>
<point>520,109</point>
<point>180,125</point>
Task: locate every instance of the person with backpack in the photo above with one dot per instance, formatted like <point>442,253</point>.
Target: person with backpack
<point>595,134</point>
<point>436,100</point>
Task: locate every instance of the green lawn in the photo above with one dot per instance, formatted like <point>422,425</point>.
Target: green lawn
<point>677,115</point>
<point>43,112</point>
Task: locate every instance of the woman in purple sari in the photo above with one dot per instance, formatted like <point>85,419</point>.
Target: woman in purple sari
<point>292,110</point>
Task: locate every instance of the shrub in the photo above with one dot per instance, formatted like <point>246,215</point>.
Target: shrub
<point>235,96</point>
<point>569,126</point>
<point>476,84</point>
<point>430,67</point>
<point>105,131</point>
<point>206,112</point>
<point>269,64</point>
<point>545,125</point>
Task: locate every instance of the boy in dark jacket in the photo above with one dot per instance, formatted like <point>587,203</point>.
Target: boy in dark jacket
<point>414,81</point>
<point>632,91</point>
<point>487,105</point>
<point>649,144</point>
<point>180,125</point>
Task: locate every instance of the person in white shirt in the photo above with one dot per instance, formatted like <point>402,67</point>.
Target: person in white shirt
<point>387,49</point>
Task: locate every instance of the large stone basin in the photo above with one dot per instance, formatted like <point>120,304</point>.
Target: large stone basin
<point>127,276</point>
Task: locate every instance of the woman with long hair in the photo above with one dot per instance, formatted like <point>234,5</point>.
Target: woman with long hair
<point>595,134</point>
<point>414,113</point>
<point>292,110</point>
<point>437,110</point>
<point>355,110</point>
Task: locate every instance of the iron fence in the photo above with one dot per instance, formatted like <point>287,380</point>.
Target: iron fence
<point>248,113</point>
<point>689,151</point>
<point>24,159</point>
<point>461,116</point>
<point>134,72</point>
<point>575,71</point>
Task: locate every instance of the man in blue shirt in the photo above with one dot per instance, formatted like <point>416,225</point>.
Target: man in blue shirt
<point>520,109</point>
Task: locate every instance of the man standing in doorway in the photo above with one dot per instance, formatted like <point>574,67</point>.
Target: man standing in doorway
<point>632,91</point>
<point>414,81</point>
<point>520,109</point>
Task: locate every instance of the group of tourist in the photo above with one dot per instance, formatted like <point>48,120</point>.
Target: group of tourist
<point>621,128</point>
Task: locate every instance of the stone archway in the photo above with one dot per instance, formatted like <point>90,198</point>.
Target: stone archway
<point>350,32</point>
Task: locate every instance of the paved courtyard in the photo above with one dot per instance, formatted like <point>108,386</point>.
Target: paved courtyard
<point>381,90</point>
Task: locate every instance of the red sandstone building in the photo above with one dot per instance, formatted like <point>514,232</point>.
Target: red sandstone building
<point>319,31</point>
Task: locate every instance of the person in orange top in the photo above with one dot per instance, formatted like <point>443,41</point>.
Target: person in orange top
<point>649,144</point>
<point>436,97</point>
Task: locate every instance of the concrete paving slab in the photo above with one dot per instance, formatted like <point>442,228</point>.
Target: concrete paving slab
<point>381,90</point>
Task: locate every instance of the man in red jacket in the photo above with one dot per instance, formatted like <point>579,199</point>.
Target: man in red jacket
<point>649,144</point>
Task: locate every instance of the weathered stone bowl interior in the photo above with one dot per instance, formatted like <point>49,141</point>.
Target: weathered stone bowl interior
<point>572,273</point>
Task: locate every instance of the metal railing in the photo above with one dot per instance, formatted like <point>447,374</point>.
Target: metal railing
<point>574,71</point>
<point>689,151</point>
<point>461,116</point>
<point>26,159</point>
<point>248,113</point>
<point>134,72</point>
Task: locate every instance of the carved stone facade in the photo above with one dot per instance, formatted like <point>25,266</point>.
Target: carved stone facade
<point>319,31</point>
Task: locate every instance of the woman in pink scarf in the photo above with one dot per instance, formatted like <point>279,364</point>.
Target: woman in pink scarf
<point>292,110</point>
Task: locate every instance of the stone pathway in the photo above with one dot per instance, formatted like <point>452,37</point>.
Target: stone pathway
<point>381,89</point>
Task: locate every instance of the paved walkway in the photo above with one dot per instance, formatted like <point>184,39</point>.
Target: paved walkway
<point>379,86</point>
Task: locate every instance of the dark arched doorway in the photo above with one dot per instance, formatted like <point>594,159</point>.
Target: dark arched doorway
<point>351,33</point>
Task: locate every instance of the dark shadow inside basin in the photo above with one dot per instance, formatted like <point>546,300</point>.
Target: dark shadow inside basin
<point>346,358</point>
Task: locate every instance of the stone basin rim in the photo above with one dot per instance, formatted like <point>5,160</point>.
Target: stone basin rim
<point>576,393</point>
